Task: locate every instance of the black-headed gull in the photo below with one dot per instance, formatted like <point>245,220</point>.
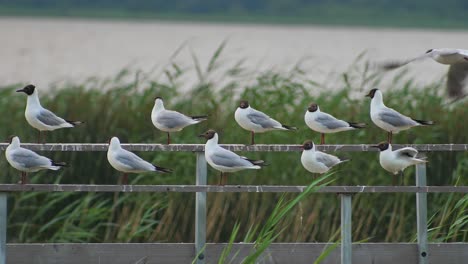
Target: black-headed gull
<point>395,161</point>
<point>26,160</point>
<point>388,119</point>
<point>255,121</point>
<point>225,160</point>
<point>171,121</point>
<point>316,161</point>
<point>41,118</point>
<point>457,73</point>
<point>326,123</point>
<point>128,162</point>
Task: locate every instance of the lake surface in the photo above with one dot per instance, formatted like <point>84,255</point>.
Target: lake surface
<point>43,51</point>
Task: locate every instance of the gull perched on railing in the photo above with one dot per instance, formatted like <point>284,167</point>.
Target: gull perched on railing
<point>457,73</point>
<point>41,118</point>
<point>316,161</point>
<point>26,160</point>
<point>388,119</point>
<point>326,123</point>
<point>171,121</point>
<point>395,161</point>
<point>255,121</point>
<point>225,160</point>
<point>128,162</point>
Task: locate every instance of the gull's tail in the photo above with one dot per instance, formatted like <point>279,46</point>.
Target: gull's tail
<point>199,118</point>
<point>74,123</point>
<point>260,163</point>
<point>357,125</point>
<point>57,165</point>
<point>289,127</point>
<point>424,122</point>
<point>161,169</point>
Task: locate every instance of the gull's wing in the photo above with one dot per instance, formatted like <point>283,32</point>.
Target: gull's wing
<point>49,118</point>
<point>330,121</point>
<point>406,152</point>
<point>390,65</point>
<point>29,159</point>
<point>172,119</point>
<point>262,119</point>
<point>327,159</point>
<point>132,161</point>
<point>457,78</point>
<point>226,158</point>
<point>392,117</point>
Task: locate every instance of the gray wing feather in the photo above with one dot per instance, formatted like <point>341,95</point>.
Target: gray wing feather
<point>229,159</point>
<point>49,118</point>
<point>30,159</point>
<point>133,161</point>
<point>330,122</point>
<point>172,119</point>
<point>456,79</point>
<point>407,152</point>
<point>395,119</point>
<point>327,159</point>
<point>262,119</point>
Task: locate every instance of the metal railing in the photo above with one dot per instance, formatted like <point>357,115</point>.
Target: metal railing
<point>201,188</point>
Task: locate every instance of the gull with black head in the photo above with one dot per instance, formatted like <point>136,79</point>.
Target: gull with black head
<point>41,118</point>
<point>388,119</point>
<point>26,160</point>
<point>395,161</point>
<point>128,162</point>
<point>225,160</point>
<point>171,121</point>
<point>255,121</point>
<point>457,73</point>
<point>316,161</point>
<point>325,123</point>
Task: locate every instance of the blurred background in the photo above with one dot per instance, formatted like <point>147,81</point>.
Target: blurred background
<point>104,61</point>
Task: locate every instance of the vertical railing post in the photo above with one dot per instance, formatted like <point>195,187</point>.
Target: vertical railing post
<point>3,227</point>
<point>346,240</point>
<point>200,210</point>
<point>421,209</point>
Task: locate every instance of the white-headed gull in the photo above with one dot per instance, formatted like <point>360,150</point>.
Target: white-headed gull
<point>388,119</point>
<point>171,121</point>
<point>225,160</point>
<point>326,123</point>
<point>26,160</point>
<point>128,162</point>
<point>41,118</point>
<point>395,161</point>
<point>316,161</point>
<point>255,121</point>
<point>457,73</point>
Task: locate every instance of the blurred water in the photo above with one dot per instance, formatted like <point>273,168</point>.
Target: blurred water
<point>42,51</point>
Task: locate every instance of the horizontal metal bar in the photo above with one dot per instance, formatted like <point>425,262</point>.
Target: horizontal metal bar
<point>233,147</point>
<point>226,188</point>
<point>298,253</point>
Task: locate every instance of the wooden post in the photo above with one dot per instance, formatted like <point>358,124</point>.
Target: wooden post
<point>346,240</point>
<point>200,210</point>
<point>3,227</point>
<point>421,210</point>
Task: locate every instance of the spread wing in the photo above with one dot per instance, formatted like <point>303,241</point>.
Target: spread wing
<point>390,65</point>
<point>457,78</point>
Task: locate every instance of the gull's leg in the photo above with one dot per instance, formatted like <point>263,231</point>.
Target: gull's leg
<point>168,138</point>
<point>22,179</point>
<point>225,179</point>
<point>39,137</point>
<point>125,179</point>
<point>322,138</point>
<point>220,179</point>
<point>389,137</point>
<point>252,138</point>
